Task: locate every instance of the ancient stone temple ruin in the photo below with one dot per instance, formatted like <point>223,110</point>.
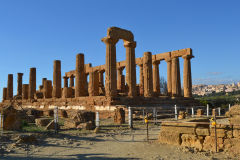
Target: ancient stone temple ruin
<point>81,92</point>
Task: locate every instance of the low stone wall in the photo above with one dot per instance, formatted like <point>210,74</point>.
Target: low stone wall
<point>201,136</point>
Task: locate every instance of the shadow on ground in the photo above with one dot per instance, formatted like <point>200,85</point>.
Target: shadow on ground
<point>70,157</point>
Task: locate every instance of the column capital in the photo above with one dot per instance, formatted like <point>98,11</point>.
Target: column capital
<point>140,65</point>
<point>174,59</point>
<point>20,74</point>
<point>102,71</point>
<point>65,77</point>
<point>72,76</point>
<point>168,59</point>
<point>156,62</point>
<point>187,56</point>
<point>132,44</point>
<point>108,40</point>
<point>121,68</point>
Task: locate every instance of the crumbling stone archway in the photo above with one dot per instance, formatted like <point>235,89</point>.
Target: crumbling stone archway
<point>113,36</point>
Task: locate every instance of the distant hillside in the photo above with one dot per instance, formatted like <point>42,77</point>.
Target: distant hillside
<point>221,99</point>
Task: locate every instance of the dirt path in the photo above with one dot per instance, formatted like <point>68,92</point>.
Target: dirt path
<point>113,145</point>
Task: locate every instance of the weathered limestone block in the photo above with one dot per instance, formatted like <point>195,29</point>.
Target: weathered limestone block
<point>200,112</point>
<point>67,92</point>
<point>209,143</point>
<point>42,122</point>
<point>49,113</point>
<point>201,131</point>
<point>119,116</point>
<point>63,113</point>
<point>179,127</point>
<point>194,141</point>
<point>169,137</point>
<point>221,131</point>
<point>77,118</point>
<point>51,125</point>
<point>182,115</point>
<point>12,119</point>
<point>234,110</point>
<point>38,95</point>
<point>236,131</point>
<point>87,125</point>
<point>34,112</point>
<point>232,146</point>
<point>69,123</point>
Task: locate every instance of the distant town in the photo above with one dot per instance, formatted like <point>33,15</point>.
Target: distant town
<point>202,89</point>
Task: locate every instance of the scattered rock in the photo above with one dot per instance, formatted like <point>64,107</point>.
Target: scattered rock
<point>42,122</point>
<point>88,126</point>
<point>12,119</point>
<point>119,116</point>
<point>28,139</point>
<point>97,130</point>
<point>51,125</point>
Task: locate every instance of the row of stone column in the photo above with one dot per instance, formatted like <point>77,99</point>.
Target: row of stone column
<point>149,82</point>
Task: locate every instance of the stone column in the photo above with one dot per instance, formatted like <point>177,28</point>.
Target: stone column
<point>119,78</point>
<point>130,68</point>
<point>80,76</point>
<point>72,80</point>
<point>32,83</point>
<point>101,82</point>
<point>57,80</point>
<point>179,79</point>
<point>147,74</point>
<point>65,78</point>
<point>10,87</point>
<point>93,83</point>
<point>187,76</point>
<point>47,89</point>
<point>19,84</point>
<point>169,76</point>
<point>175,77</point>
<point>141,80</point>
<point>25,89</point>
<point>43,81</point>
<point>156,79</point>
<point>4,94</point>
<point>110,67</point>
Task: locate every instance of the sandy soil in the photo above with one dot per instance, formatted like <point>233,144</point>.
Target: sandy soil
<point>111,144</point>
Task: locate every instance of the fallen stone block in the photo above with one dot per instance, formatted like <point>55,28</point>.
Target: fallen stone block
<point>42,122</point>
<point>209,144</point>
<point>192,141</point>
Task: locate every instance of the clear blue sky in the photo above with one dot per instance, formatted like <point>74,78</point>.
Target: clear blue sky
<point>35,33</point>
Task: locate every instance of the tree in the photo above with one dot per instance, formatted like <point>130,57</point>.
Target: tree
<point>163,86</point>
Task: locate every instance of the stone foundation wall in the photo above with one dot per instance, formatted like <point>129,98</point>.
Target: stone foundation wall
<point>201,136</point>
